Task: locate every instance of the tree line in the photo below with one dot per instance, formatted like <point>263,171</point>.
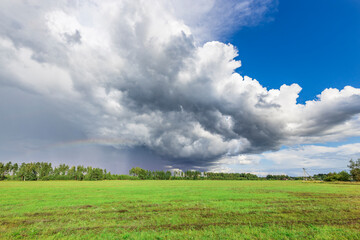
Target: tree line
<point>354,174</point>
<point>188,175</point>
<point>44,171</point>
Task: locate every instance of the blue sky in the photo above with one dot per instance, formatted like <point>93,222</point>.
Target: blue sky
<point>313,43</point>
<point>120,84</point>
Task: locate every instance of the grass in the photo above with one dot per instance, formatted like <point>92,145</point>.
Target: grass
<point>179,210</point>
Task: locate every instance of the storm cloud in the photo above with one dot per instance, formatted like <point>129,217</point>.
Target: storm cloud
<point>147,74</point>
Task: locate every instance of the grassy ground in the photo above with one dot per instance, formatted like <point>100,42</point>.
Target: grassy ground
<point>179,210</point>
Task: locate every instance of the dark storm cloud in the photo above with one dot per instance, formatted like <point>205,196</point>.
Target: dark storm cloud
<point>141,76</point>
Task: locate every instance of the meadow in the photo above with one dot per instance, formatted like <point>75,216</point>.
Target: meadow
<point>179,210</point>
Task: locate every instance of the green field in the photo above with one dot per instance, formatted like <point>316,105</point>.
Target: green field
<point>179,210</point>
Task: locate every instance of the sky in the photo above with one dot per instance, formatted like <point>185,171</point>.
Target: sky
<point>260,86</point>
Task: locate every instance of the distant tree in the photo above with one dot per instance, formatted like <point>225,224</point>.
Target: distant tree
<point>330,177</point>
<point>2,171</point>
<point>63,169</point>
<point>80,171</point>
<point>15,168</point>
<point>159,175</point>
<point>341,176</point>
<point>28,172</point>
<point>72,173</point>
<point>319,176</point>
<point>5,170</point>
<point>8,168</point>
<point>355,169</point>
<point>138,172</point>
<point>89,172</point>
<point>44,170</point>
<point>97,174</point>
<point>167,175</point>
<point>108,175</point>
<point>344,176</point>
<point>277,177</point>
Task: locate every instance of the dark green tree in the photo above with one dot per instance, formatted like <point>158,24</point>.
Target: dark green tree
<point>44,170</point>
<point>355,169</point>
<point>2,171</point>
<point>139,172</point>
<point>15,168</point>
<point>80,172</point>
<point>72,173</point>
<point>28,172</point>
<point>341,176</point>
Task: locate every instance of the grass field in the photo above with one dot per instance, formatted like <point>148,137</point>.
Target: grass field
<point>179,210</point>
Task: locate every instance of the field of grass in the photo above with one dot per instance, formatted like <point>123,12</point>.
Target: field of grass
<point>179,210</point>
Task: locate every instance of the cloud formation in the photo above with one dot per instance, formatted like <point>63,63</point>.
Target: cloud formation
<point>291,160</point>
<point>145,73</point>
